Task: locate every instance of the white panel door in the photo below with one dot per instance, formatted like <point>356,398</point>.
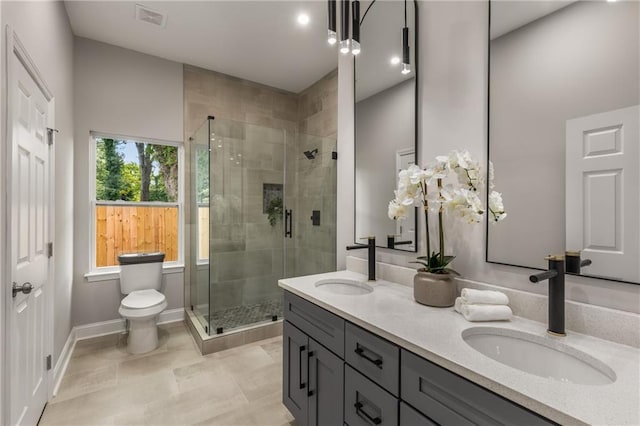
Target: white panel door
<point>28,236</point>
<point>603,192</point>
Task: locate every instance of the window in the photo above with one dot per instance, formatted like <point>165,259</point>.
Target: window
<point>137,199</point>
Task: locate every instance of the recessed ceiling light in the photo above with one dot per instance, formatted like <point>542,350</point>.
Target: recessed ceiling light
<point>303,19</point>
<point>395,60</point>
<point>611,1</point>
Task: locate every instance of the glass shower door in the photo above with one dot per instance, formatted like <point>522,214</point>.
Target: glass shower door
<point>311,198</point>
<point>246,224</point>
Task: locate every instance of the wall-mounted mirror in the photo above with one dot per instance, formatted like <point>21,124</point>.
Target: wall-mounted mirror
<point>385,119</point>
<point>564,134</point>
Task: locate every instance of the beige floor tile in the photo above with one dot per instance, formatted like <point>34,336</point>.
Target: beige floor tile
<point>173,385</point>
<point>87,381</point>
<point>259,382</point>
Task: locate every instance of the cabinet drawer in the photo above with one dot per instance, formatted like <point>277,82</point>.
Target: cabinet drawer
<point>374,357</point>
<point>323,326</point>
<point>410,417</point>
<point>365,403</point>
<point>447,398</point>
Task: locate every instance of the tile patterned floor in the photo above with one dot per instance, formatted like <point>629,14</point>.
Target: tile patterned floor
<point>241,316</point>
<point>173,385</point>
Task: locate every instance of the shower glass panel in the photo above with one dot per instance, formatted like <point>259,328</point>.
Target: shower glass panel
<point>199,223</point>
<point>263,207</point>
<point>311,200</point>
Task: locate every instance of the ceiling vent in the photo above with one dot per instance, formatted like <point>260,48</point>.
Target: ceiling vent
<point>144,14</point>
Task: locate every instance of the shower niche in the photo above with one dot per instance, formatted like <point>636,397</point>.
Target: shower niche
<point>253,192</point>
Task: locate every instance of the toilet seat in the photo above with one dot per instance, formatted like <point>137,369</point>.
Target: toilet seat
<point>141,299</point>
<point>141,304</point>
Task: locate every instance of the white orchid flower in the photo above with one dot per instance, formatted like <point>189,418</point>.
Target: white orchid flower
<point>496,207</point>
<point>397,211</point>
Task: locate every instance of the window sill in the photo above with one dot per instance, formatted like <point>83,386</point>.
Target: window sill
<point>114,274</point>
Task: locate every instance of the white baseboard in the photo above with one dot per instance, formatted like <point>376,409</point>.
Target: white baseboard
<point>118,326</point>
<point>63,361</point>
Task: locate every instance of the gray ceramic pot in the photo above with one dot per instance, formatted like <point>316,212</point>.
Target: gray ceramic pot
<point>437,290</point>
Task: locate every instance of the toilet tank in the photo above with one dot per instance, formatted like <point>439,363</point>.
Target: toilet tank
<point>140,271</point>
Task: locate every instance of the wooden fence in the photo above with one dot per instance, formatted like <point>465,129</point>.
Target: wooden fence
<point>135,229</point>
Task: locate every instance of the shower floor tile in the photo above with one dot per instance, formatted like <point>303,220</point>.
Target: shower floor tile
<point>241,316</point>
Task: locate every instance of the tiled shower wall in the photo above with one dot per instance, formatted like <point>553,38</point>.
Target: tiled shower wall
<point>246,251</point>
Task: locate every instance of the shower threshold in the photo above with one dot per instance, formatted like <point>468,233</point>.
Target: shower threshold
<point>236,317</point>
<point>240,325</point>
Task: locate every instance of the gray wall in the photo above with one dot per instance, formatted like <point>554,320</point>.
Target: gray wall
<point>43,28</point>
<point>384,125</point>
<point>126,93</point>
<point>542,74</point>
<point>453,114</point>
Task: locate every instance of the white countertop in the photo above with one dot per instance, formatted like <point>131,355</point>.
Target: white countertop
<point>435,334</point>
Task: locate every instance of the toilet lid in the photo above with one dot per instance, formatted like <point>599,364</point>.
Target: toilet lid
<point>140,299</point>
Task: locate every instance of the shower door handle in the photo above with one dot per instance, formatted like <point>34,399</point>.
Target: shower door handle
<point>288,223</point>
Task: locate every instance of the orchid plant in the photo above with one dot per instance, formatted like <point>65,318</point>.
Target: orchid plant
<point>429,188</point>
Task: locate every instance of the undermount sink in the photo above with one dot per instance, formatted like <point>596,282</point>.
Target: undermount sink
<point>538,355</point>
<point>344,286</point>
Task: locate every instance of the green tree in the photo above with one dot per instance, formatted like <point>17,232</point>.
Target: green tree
<point>130,190</point>
<point>109,167</point>
<point>167,159</point>
<point>146,166</point>
<point>202,176</point>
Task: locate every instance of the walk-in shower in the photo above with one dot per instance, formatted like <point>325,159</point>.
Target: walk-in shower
<point>252,194</point>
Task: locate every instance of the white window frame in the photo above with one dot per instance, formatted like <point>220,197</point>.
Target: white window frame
<point>108,272</point>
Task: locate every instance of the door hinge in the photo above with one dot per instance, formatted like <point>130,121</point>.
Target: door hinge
<point>50,133</point>
<point>48,362</point>
<point>49,249</point>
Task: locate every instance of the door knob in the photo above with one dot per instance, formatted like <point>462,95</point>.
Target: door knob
<point>25,288</point>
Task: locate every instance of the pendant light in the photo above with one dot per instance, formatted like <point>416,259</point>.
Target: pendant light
<point>344,36</point>
<point>406,54</point>
<point>355,30</point>
<point>331,32</point>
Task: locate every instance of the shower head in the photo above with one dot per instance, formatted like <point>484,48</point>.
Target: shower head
<point>311,154</point>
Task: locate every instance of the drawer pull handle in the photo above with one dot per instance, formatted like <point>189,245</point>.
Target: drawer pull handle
<point>377,362</point>
<point>359,410</point>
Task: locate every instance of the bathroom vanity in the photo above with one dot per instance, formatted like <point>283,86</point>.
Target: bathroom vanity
<point>372,356</point>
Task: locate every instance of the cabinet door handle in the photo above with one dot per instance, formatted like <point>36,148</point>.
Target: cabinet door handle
<point>311,354</point>
<point>359,410</point>
<point>302,384</point>
<point>377,362</point>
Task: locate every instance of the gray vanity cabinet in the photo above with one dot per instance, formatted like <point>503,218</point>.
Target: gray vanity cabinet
<point>338,373</point>
<point>326,379</point>
<point>313,375</point>
<point>295,347</point>
<point>449,399</point>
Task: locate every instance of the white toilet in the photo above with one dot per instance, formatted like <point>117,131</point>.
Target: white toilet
<point>141,280</point>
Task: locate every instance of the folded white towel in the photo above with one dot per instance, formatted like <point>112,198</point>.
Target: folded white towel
<point>458,305</point>
<point>471,296</point>
<point>485,312</point>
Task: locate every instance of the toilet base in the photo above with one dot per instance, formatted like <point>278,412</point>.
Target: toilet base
<point>143,335</point>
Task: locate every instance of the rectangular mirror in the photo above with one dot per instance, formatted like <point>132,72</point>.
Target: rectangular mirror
<point>564,134</point>
<point>385,119</point>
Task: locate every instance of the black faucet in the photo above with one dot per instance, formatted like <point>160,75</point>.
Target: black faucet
<point>555,275</point>
<point>392,243</point>
<point>574,263</point>
<point>371,245</point>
